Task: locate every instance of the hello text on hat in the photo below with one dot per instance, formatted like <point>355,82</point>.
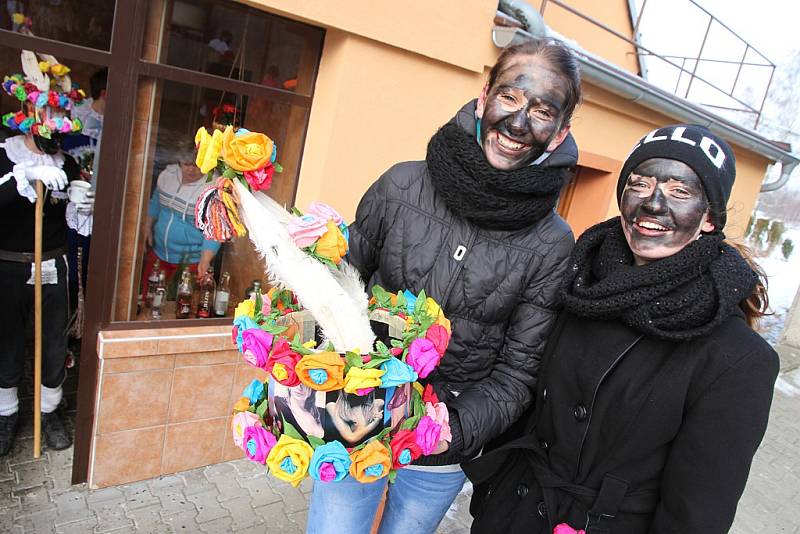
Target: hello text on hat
<point>706,153</point>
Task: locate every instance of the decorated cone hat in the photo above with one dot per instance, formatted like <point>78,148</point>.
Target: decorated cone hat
<point>46,96</point>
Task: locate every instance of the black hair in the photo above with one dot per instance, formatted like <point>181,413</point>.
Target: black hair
<point>558,55</point>
<point>98,82</point>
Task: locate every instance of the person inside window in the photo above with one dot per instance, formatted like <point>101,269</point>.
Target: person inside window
<point>170,231</point>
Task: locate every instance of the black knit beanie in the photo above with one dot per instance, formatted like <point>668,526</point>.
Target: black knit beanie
<point>707,154</point>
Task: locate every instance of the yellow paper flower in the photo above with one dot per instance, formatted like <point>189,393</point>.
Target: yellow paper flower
<point>208,149</point>
<point>279,372</point>
<point>289,458</point>
<point>358,378</point>
<point>246,307</point>
<point>241,405</point>
<point>433,309</point>
<point>371,463</point>
<point>332,244</point>
<point>310,344</point>
<point>44,66</point>
<point>246,152</point>
<point>59,70</point>
<point>18,18</point>
<point>323,371</point>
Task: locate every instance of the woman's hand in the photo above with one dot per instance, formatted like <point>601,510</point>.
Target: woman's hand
<point>442,446</point>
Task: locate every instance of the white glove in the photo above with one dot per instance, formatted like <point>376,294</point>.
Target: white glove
<point>51,177</point>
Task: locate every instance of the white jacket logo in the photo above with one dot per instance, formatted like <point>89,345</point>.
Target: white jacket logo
<point>708,146</point>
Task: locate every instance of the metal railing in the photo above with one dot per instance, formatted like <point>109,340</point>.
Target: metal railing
<point>672,60</point>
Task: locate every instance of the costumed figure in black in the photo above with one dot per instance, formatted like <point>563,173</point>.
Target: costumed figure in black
<point>475,226</point>
<point>654,391</point>
<point>46,96</point>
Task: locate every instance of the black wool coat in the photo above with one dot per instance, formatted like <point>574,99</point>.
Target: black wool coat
<point>658,434</point>
<point>498,289</point>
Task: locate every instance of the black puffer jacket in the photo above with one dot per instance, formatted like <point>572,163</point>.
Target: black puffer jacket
<point>499,295</point>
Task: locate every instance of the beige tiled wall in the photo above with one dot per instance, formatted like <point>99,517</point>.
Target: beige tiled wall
<point>164,402</point>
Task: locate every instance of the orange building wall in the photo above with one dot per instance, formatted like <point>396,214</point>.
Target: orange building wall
<point>387,82</point>
<point>591,37</point>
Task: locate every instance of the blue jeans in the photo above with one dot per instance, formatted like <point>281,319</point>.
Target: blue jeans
<point>415,503</point>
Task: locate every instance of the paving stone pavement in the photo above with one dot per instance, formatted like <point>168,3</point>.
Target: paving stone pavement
<point>36,495</point>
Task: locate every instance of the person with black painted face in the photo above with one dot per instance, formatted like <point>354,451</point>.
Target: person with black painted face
<point>473,225</point>
<point>25,159</point>
<point>654,390</point>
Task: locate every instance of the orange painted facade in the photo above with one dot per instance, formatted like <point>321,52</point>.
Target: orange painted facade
<point>391,74</point>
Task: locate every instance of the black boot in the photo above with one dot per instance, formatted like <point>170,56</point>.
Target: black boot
<point>8,430</point>
<point>55,435</point>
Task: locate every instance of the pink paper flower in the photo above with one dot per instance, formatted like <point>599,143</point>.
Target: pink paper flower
<point>306,230</point>
<point>241,421</point>
<point>439,336</point>
<point>563,528</point>
<point>266,306</point>
<point>423,357</point>
<point>438,412</point>
<point>256,345</point>
<point>257,443</point>
<point>428,433</point>
<point>325,212</point>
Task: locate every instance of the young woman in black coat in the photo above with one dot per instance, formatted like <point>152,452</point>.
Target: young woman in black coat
<point>473,225</point>
<point>654,390</point>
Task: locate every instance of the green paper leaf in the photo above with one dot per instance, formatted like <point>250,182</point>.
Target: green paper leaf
<point>263,409</point>
<point>383,350</point>
<point>392,476</point>
<point>353,360</point>
<point>417,406</point>
<point>278,167</point>
<point>315,442</point>
<point>229,173</point>
<point>272,328</point>
<point>296,212</point>
<point>396,343</point>
<point>383,435</point>
<point>290,430</point>
<point>375,361</point>
<point>410,423</point>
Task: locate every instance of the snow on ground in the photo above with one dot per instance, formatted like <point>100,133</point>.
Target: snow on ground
<point>784,280</point>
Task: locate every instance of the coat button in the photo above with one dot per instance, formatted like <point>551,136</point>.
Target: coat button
<point>544,394</point>
<point>580,412</point>
<point>544,445</point>
<point>522,490</point>
<point>542,509</point>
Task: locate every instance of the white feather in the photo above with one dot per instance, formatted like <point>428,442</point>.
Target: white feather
<point>30,66</point>
<point>341,312</point>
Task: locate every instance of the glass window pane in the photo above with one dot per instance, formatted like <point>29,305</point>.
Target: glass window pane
<point>234,41</point>
<point>81,22</point>
<point>163,185</point>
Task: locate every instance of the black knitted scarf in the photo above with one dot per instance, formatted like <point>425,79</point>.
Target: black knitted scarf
<point>488,197</point>
<point>679,297</point>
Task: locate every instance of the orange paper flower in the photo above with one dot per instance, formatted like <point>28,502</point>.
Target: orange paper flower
<point>371,463</point>
<point>332,244</point>
<point>241,405</point>
<point>323,371</point>
<point>246,152</point>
